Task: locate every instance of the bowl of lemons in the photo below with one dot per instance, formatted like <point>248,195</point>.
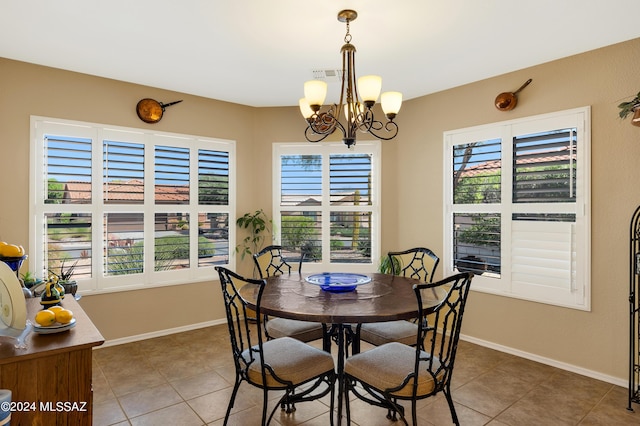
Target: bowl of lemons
<point>54,319</point>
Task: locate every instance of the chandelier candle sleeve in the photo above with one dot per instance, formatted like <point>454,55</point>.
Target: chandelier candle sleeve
<point>357,98</point>
<point>391,103</point>
<point>305,109</point>
<point>315,91</point>
<point>369,88</point>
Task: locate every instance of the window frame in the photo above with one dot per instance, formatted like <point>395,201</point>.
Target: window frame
<point>99,133</point>
<point>326,149</point>
<point>578,296</point>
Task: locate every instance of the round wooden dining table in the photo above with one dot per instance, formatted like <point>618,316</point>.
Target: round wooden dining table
<point>384,298</point>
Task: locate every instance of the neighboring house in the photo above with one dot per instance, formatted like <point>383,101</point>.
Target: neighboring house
<point>132,192</point>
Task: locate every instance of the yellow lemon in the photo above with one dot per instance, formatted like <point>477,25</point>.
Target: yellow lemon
<point>12,250</point>
<point>45,318</point>
<point>64,316</point>
<point>55,309</point>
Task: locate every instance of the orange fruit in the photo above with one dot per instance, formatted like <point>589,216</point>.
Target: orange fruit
<point>45,318</point>
<point>64,316</point>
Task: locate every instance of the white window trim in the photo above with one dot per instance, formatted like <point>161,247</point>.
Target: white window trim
<point>578,297</point>
<point>99,283</point>
<point>327,148</point>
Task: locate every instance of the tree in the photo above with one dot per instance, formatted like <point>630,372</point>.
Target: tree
<point>297,230</point>
<point>55,192</point>
<point>213,189</point>
<point>481,188</point>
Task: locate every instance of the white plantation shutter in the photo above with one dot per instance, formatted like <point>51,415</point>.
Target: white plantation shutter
<point>213,177</point>
<point>67,181</point>
<point>123,172</point>
<point>326,203</point>
<point>172,170</point>
<point>542,259</point>
<point>67,160</point>
<point>350,176</point>
<point>133,208</point>
<point>544,167</point>
<point>532,241</point>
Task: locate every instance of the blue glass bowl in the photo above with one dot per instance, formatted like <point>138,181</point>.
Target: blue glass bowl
<point>338,282</point>
<point>14,262</point>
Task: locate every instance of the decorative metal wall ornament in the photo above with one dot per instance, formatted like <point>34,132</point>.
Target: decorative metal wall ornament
<point>151,111</point>
<point>506,101</point>
<point>358,114</point>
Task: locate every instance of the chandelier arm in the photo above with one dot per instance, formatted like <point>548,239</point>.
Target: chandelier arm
<point>323,125</point>
<point>366,123</point>
<point>390,127</point>
<point>314,137</point>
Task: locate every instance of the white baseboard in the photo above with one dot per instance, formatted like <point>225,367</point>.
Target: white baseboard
<point>548,361</point>
<point>159,333</point>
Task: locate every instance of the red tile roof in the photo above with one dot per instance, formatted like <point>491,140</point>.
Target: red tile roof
<point>130,191</point>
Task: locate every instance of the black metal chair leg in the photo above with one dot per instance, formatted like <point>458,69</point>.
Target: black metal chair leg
<point>414,414</point>
<point>236,386</point>
<point>452,408</point>
<point>265,400</point>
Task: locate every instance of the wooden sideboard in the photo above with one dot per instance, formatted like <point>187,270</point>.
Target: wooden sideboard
<point>50,379</point>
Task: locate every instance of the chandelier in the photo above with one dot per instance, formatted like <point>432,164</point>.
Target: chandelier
<point>357,109</point>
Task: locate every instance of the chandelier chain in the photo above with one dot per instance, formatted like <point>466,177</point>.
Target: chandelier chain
<point>347,36</point>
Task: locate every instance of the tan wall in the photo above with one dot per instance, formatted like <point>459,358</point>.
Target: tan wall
<point>596,340</point>
<point>412,188</point>
<point>33,90</point>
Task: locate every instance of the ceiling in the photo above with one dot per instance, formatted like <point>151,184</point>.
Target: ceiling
<point>259,53</point>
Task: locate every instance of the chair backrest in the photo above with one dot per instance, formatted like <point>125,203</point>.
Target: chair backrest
<point>238,321</point>
<point>417,262</point>
<point>439,332</point>
<point>270,262</point>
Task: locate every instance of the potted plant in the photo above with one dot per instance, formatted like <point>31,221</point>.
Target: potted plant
<point>257,224</point>
<point>64,277</point>
<point>28,279</point>
<point>632,106</point>
<point>387,267</point>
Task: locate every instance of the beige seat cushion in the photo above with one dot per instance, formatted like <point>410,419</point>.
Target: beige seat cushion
<point>291,360</point>
<point>385,367</point>
<point>304,331</point>
<point>379,333</point>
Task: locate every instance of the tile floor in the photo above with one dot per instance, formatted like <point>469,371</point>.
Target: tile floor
<point>186,379</point>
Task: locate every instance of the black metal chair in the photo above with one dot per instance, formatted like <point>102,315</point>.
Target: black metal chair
<point>395,371</point>
<point>303,372</point>
<point>270,262</point>
<point>419,263</point>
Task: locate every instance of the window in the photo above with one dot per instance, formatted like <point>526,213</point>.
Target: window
<point>129,208</point>
<point>327,204</point>
<point>517,207</point>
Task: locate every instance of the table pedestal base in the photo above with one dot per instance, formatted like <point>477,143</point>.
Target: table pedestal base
<point>345,336</point>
